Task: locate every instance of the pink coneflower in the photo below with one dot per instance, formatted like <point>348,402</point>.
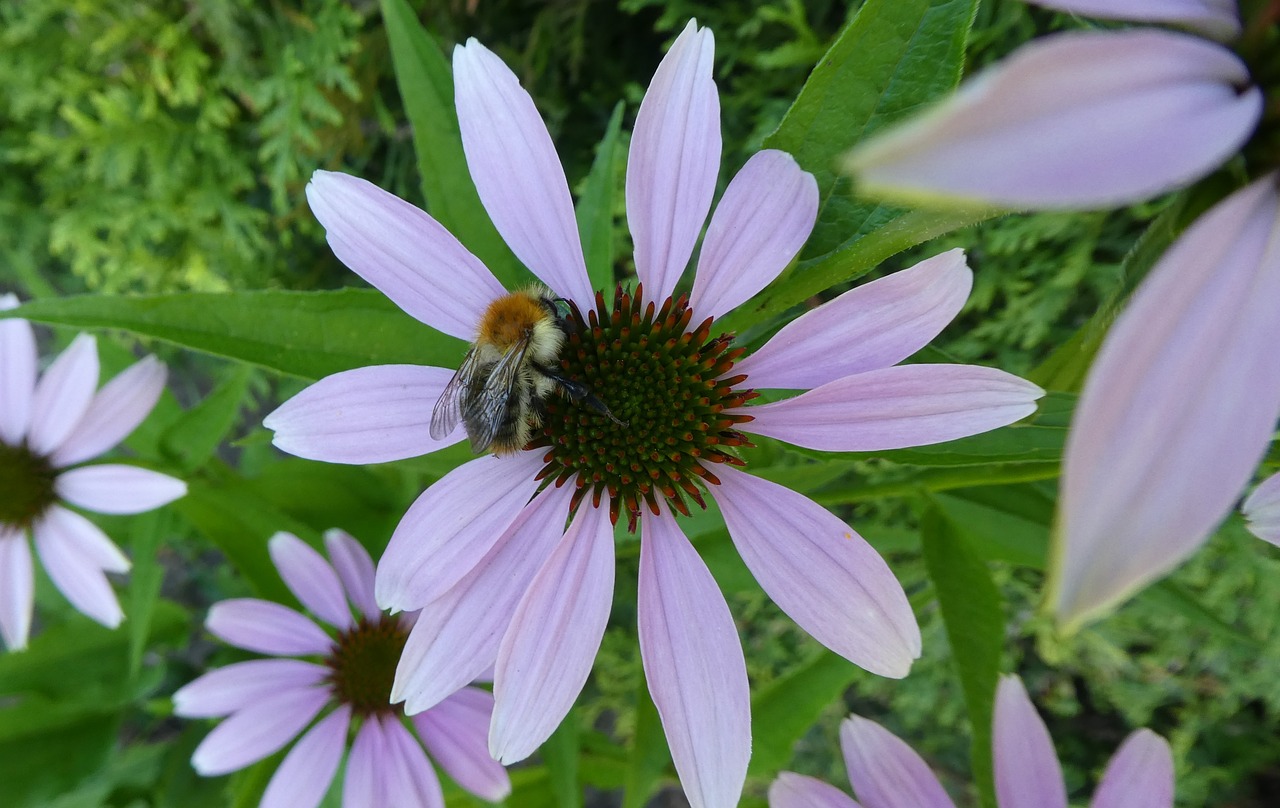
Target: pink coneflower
<point>47,428</point>
<point>269,702</point>
<point>484,551</point>
<point>887,773</point>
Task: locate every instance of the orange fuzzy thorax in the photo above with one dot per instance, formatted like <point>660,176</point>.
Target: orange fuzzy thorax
<point>509,319</point>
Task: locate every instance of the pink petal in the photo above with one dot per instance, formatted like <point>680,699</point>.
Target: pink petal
<point>547,651</point>
<point>404,252</point>
<point>516,171</point>
<point>18,360</point>
<point>306,772</point>
<point>793,790</point>
<point>1075,120</point>
<point>17,588</point>
<point>694,666</point>
<point>875,325</point>
<point>62,395</point>
<point>266,627</point>
<point>367,415</point>
<point>896,407</point>
<point>1140,774</point>
<point>412,779</point>
<point>457,636</point>
<point>454,732</point>
<point>451,526</point>
<point>820,572</point>
<point>226,690</point>
<point>118,408</point>
<point>76,553</point>
<point>257,731</point>
<point>311,579</point>
<point>674,161</point>
<point>762,221</point>
<point>1026,767</point>
<point>885,772</point>
<point>1177,409</point>
<point>355,568</point>
<point>1262,510</point>
<point>1217,19</point>
<point>366,783</point>
<point>118,489</point>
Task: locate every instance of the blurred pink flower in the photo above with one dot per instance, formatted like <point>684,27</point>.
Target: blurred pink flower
<point>886,773</point>
<point>47,427</point>
<point>1262,510</point>
<point>268,702</point>
<point>484,551</point>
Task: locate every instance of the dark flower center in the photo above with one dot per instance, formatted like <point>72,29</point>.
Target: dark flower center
<point>363,665</point>
<point>26,486</point>
<point>669,388</point>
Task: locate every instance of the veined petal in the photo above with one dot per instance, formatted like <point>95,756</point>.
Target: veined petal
<point>871,326</point>
<point>791,790</point>
<point>365,785</point>
<point>119,489</point>
<point>76,554</point>
<point>257,731</point>
<point>674,161</point>
<point>226,690</point>
<point>412,779</point>
<point>118,408</point>
<point>451,526</point>
<point>516,171</point>
<point>266,627</point>
<point>306,772</point>
<point>457,636</point>
<point>694,666</point>
<point>405,253</point>
<point>885,772</point>
<point>551,643</point>
<point>1216,19</point>
<point>17,588</point>
<point>1262,510</point>
<point>62,395</point>
<point>18,362</point>
<point>820,572</point>
<point>311,579</point>
<point>455,733</point>
<point>1075,120</point>
<point>1177,409</point>
<point>896,407</point>
<point>367,415</point>
<point>355,568</point>
<point>1026,767</point>
<point>1140,774</point>
<point>762,221</point>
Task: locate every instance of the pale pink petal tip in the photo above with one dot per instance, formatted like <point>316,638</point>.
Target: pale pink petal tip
<point>1027,773</point>
<point>1216,19</point>
<point>17,588</point>
<point>310,578</point>
<point>1262,510</point>
<point>118,408</point>
<point>1073,121</point>
<point>791,790</point>
<point>258,730</point>
<point>1140,775</point>
<point>118,489</point>
<point>18,363</point>
<point>355,568</point>
<point>885,771</point>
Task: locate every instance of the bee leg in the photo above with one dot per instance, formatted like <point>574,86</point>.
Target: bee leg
<point>577,391</point>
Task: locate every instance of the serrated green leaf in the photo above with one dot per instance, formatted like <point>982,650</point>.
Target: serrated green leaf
<point>782,712</point>
<point>192,439</point>
<point>595,208</point>
<point>648,756</point>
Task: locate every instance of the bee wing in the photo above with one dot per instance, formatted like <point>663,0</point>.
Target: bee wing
<point>447,412</point>
<point>486,412</point>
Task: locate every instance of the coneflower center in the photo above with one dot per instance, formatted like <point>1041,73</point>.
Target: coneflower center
<point>26,485</point>
<point>670,388</point>
<point>363,664</point>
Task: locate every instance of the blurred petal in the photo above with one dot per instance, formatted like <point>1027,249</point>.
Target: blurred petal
<point>225,690</point>
<point>885,772</point>
<point>455,732</point>
<point>457,636</point>
<point>18,360</point>
<point>311,579</point>
<point>415,781</point>
<point>17,588</point>
<point>404,252</point>
<point>118,408</point>
<point>1075,120</point>
<point>451,526</point>
<point>1216,19</point>
<point>516,171</point>
<point>1177,409</point>
<point>118,489</point>
<point>354,566</point>
<point>1026,767</point>
<point>547,651</point>
<point>793,790</point>
<point>693,663</point>
<point>1140,775</point>
<point>365,784</point>
<point>821,573</point>
<point>762,221</point>
<point>368,415</point>
<point>306,772</point>
<point>62,395</point>
<point>896,407</point>
<point>875,325</point>
<point>258,730</point>
<point>1262,510</point>
<point>266,627</point>
<point>674,161</point>
<point>76,554</point>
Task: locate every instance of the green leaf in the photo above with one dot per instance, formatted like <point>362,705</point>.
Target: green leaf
<point>972,614</point>
<point>37,769</point>
<point>938,479</point>
<point>560,753</point>
<point>426,88</point>
<point>595,207</point>
<point>1002,523</point>
<point>192,439</point>
<point>149,531</point>
<point>649,756</point>
<point>307,334</point>
<point>782,712</point>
